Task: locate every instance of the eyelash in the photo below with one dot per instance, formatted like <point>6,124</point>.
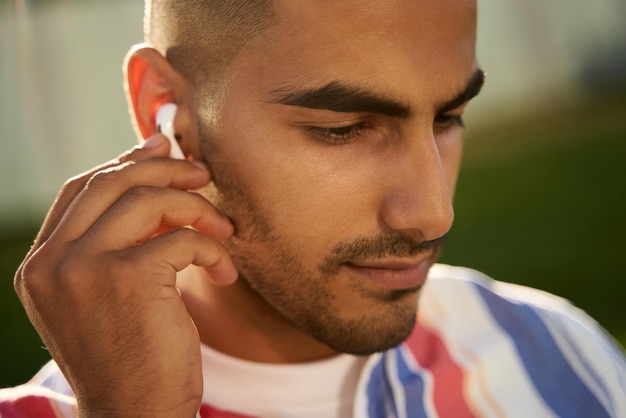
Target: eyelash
<point>340,135</point>
<point>449,121</point>
<point>344,134</point>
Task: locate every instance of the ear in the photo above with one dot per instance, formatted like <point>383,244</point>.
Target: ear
<point>151,81</point>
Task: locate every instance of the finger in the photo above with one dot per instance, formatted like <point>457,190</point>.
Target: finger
<point>139,213</point>
<point>66,196</point>
<point>153,147</point>
<point>107,186</point>
<point>161,257</point>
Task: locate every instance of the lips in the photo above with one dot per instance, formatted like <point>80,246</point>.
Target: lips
<point>393,274</point>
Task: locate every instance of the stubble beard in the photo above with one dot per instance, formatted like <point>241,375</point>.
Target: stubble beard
<point>271,267</point>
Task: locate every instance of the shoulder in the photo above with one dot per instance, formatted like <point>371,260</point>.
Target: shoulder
<point>46,395</point>
<point>501,338</point>
<point>526,315</point>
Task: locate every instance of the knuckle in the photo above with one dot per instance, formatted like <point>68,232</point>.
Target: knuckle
<point>69,271</point>
<point>19,280</point>
<point>80,278</point>
<point>32,277</point>
<point>55,281</point>
<point>126,155</point>
<point>106,178</point>
<point>73,185</point>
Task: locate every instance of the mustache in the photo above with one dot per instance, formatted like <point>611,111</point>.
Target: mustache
<point>380,246</point>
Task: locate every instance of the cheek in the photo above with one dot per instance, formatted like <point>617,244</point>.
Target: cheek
<point>311,198</point>
<point>308,193</point>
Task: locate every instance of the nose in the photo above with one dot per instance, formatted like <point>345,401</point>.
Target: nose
<point>418,201</point>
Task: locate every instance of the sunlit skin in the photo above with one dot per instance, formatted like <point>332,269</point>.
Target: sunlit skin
<point>300,174</point>
<point>333,149</point>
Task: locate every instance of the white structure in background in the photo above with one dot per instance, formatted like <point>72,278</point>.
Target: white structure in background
<point>62,108</point>
<point>533,49</point>
<point>61,94</point>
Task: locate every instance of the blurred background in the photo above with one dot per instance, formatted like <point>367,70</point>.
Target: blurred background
<point>542,189</point>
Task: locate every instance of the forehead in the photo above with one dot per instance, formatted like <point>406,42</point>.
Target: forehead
<point>386,44</point>
<point>360,18</point>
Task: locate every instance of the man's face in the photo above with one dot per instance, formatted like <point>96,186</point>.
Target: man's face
<point>336,152</point>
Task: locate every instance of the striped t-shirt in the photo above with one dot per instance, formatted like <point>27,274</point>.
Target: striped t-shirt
<point>480,348</point>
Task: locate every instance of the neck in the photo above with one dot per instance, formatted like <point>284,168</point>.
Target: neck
<point>236,321</point>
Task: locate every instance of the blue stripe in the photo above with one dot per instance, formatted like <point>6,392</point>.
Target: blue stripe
<point>556,381</point>
<point>413,384</point>
<point>588,367</point>
<point>378,391</point>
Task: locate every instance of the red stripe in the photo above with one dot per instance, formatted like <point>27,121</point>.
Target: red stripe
<point>431,353</point>
<point>30,406</point>
<point>208,411</point>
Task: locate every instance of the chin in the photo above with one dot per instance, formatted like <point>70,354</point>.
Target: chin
<point>370,334</point>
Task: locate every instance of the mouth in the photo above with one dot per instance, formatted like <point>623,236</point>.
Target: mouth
<point>393,274</point>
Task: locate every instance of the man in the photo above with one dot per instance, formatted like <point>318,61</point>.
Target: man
<point>277,271</point>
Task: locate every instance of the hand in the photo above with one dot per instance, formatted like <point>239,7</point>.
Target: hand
<point>99,284</point>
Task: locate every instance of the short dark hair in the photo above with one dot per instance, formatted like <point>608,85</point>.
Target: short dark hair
<point>201,38</point>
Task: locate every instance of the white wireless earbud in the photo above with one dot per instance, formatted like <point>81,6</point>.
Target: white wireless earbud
<point>165,125</point>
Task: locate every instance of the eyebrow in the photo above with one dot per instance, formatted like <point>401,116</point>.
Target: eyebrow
<point>472,88</point>
<point>338,97</point>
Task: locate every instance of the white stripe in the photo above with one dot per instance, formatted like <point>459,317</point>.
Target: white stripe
<point>497,383</point>
<point>68,410</point>
<point>588,341</point>
<point>428,399</point>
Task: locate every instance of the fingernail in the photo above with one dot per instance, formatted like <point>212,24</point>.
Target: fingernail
<point>200,164</point>
<point>153,142</point>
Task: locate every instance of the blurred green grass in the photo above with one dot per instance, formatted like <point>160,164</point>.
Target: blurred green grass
<point>21,350</point>
<point>539,203</point>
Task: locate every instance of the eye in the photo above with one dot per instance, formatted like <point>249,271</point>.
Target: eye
<point>337,135</point>
<point>445,121</point>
